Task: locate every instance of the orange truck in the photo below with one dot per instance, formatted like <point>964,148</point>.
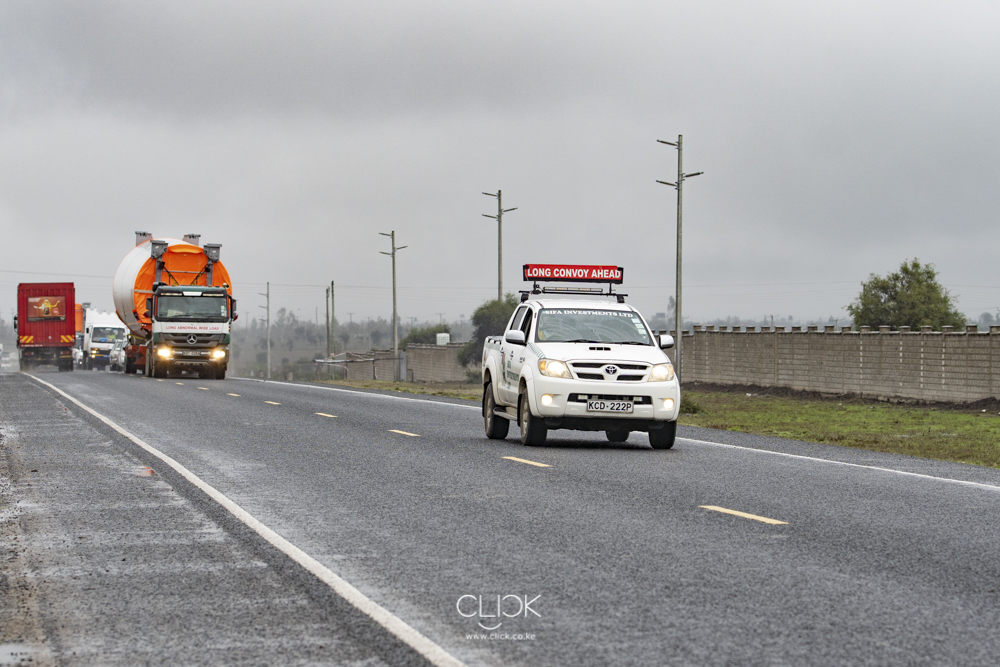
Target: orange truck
<point>45,328</point>
<point>176,298</point>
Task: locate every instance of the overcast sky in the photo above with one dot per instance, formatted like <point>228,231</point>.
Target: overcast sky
<point>837,139</point>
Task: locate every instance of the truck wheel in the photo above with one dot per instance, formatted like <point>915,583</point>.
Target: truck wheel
<point>130,367</point>
<point>496,427</point>
<point>533,429</point>
<point>663,438</point>
<point>159,370</point>
<point>220,374</point>
<point>617,436</point>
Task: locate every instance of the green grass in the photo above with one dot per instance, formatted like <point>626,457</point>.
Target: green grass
<point>936,433</point>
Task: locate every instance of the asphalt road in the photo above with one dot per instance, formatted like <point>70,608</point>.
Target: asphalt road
<point>880,560</point>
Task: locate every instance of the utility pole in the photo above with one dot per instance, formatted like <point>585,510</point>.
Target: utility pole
<point>499,218</point>
<point>440,318</point>
<point>268,309</point>
<point>395,329</point>
<point>333,320</point>
<point>679,186</point>
<point>327,302</point>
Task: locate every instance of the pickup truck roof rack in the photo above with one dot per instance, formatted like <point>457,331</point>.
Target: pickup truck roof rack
<point>589,291</point>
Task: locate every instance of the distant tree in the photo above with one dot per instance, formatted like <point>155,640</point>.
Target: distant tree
<point>425,336</point>
<point>376,337</point>
<point>489,319</point>
<point>909,297</point>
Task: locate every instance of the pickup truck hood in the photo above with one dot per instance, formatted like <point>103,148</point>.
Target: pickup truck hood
<point>583,351</point>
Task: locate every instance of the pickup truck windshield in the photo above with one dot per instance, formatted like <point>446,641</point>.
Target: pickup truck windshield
<point>106,334</point>
<point>570,325</point>
<point>207,308</point>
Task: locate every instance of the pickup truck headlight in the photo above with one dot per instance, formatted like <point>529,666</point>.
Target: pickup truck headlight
<point>554,369</point>
<point>661,373</point>
<point>164,352</point>
<point>218,354</point>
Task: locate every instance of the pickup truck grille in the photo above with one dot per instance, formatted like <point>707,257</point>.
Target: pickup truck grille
<point>596,370</point>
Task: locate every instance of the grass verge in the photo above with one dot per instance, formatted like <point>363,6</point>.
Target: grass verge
<point>948,433</point>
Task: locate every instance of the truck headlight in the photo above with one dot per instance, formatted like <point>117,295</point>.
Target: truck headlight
<point>164,352</point>
<point>661,373</point>
<point>218,354</point>
<point>554,369</point>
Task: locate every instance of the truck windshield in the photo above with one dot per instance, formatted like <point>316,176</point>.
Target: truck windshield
<point>106,334</point>
<point>571,325</point>
<point>203,308</point>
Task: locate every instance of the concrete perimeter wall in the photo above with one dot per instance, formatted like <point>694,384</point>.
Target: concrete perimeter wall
<point>926,365</point>
<point>435,363</point>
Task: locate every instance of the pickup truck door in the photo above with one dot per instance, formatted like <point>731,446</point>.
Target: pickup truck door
<point>507,351</point>
<point>514,357</point>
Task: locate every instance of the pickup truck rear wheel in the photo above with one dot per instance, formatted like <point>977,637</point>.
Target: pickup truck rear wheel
<point>533,429</point>
<point>496,427</point>
<point>663,438</point>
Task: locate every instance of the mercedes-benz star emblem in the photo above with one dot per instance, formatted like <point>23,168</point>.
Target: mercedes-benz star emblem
<point>610,370</point>
<point>192,339</point>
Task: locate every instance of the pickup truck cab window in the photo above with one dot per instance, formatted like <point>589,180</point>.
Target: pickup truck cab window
<point>574,325</point>
<point>515,322</point>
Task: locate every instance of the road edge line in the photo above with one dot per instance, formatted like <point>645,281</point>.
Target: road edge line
<point>395,625</point>
<point>845,463</point>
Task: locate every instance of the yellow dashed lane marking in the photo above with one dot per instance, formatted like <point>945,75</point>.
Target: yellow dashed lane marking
<point>159,380</point>
<point>272,403</point>
<point>203,388</point>
<point>178,383</point>
<point>234,394</point>
<point>412,435</point>
<point>762,519</point>
<point>530,463</point>
<point>323,414</point>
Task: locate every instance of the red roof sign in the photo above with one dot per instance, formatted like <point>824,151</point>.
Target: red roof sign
<point>573,273</point>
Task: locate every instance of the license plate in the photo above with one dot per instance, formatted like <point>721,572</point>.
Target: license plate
<point>609,406</point>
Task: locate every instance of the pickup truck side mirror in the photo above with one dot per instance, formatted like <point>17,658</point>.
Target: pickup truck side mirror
<point>149,306</point>
<point>515,337</point>
<point>666,342</point>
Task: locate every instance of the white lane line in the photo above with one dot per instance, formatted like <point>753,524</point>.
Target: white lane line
<point>365,393</point>
<point>397,626</point>
<point>978,485</point>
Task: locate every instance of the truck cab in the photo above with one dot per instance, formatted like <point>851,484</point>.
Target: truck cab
<point>191,330</point>
<point>587,364</point>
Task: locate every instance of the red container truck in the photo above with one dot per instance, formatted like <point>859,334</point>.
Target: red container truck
<point>45,325</point>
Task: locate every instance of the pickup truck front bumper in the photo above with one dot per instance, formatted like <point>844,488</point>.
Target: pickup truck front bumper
<point>566,406</point>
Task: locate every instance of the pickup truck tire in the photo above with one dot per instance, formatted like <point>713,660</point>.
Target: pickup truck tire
<point>220,374</point>
<point>533,429</point>
<point>663,438</point>
<point>617,436</point>
<point>496,427</point>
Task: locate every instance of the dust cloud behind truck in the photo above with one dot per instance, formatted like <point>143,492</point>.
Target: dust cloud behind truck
<point>176,299</point>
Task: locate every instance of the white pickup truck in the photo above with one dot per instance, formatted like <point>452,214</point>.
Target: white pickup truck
<point>579,364</point>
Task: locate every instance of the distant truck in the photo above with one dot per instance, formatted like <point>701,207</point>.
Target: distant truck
<point>176,299</point>
<point>582,364</point>
<point>100,331</point>
<point>45,325</point>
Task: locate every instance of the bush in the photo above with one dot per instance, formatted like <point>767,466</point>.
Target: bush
<point>489,319</point>
<point>425,336</point>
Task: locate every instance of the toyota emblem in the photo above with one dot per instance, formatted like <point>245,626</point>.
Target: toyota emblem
<point>192,339</point>
<point>610,370</point>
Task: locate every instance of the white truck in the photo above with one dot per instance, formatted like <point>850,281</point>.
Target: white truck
<point>583,364</point>
<point>100,331</point>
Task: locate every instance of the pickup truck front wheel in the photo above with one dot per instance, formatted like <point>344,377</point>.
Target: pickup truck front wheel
<point>663,438</point>
<point>496,427</point>
<point>533,429</point>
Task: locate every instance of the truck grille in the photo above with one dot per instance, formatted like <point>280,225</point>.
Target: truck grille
<point>200,340</point>
<point>597,370</point>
